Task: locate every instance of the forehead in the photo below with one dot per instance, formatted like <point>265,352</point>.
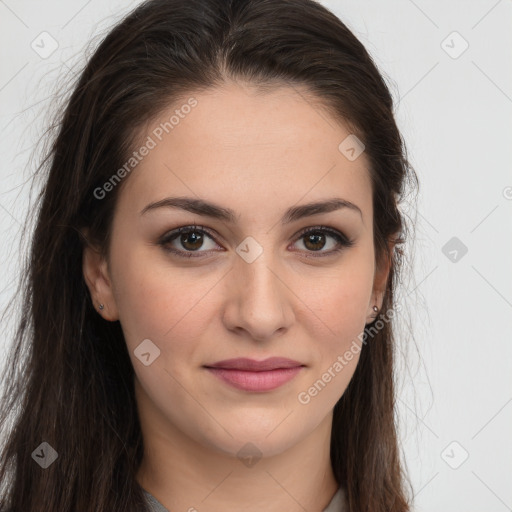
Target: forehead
<point>248,149</point>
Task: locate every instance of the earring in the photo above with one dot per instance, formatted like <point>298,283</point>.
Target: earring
<point>376,309</point>
<point>101,306</point>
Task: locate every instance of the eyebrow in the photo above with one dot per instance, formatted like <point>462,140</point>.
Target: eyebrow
<point>209,209</point>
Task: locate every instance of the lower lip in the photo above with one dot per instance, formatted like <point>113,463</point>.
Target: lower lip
<point>256,381</point>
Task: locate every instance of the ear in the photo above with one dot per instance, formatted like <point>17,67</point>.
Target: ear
<point>380,282</point>
<point>97,278</point>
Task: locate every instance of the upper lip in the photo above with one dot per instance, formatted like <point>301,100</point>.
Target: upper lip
<point>243,363</point>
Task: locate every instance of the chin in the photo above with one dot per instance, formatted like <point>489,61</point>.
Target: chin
<point>257,440</point>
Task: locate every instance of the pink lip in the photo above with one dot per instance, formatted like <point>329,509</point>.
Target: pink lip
<point>252,375</point>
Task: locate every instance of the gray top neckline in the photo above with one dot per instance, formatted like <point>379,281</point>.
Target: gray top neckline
<point>337,503</point>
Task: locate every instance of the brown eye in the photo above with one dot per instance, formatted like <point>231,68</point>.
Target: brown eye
<point>186,240</point>
<point>316,239</point>
<point>191,240</point>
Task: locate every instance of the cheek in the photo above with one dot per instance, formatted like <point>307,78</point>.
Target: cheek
<point>342,299</point>
<point>342,304</point>
<point>339,344</point>
<point>158,302</point>
<point>347,323</point>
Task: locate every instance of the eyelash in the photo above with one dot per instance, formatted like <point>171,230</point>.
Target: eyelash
<point>343,241</point>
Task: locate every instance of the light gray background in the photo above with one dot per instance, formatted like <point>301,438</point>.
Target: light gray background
<point>454,110</point>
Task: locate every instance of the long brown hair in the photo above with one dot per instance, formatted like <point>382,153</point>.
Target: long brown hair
<point>70,380</point>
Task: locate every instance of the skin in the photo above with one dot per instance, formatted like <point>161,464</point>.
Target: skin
<point>257,154</point>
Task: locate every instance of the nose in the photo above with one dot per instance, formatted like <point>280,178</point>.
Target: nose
<point>259,301</point>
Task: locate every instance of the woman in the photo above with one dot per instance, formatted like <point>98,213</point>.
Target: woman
<point>210,293</point>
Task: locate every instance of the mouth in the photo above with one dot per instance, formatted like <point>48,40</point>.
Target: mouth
<point>251,375</point>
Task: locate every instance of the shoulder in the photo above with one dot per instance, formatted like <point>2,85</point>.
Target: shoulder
<point>338,502</point>
<point>153,505</point>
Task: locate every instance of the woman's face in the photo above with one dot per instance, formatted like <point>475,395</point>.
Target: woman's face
<point>251,286</point>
